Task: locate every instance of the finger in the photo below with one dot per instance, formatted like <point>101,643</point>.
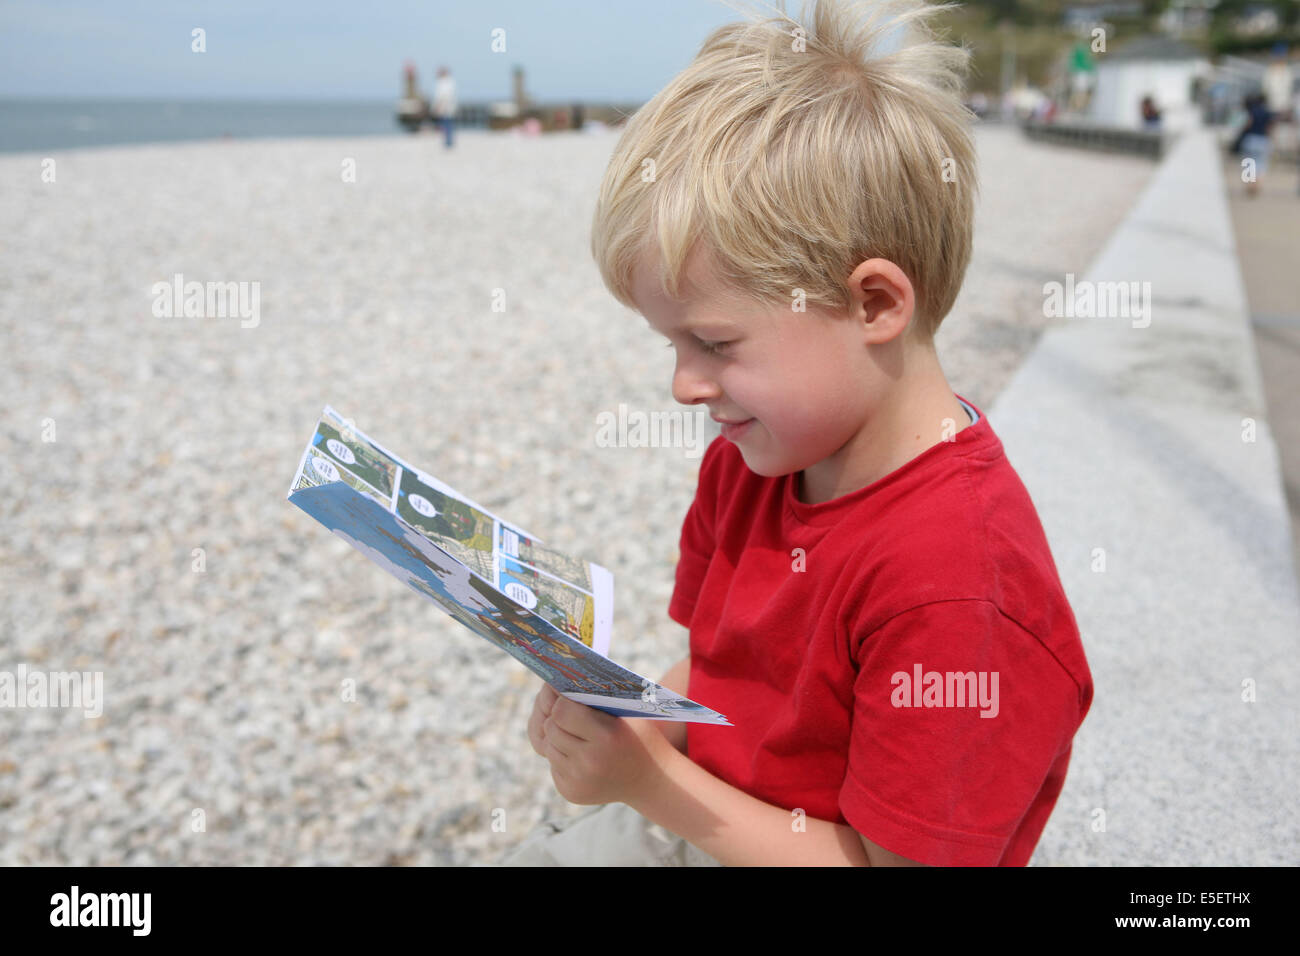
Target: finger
<point>537,735</point>
<point>569,715</point>
<point>536,727</point>
<point>565,743</point>
<point>552,751</point>
<point>585,723</point>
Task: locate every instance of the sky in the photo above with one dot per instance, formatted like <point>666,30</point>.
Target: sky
<point>597,50</point>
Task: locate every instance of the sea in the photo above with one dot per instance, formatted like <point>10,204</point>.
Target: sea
<point>50,124</point>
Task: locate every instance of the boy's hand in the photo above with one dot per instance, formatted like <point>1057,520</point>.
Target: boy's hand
<point>595,757</point>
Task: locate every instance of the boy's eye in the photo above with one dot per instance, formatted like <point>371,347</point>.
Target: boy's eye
<point>712,348</point>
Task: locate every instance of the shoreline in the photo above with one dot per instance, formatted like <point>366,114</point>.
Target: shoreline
<point>473,132</point>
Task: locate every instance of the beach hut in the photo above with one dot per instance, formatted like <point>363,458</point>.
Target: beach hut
<point>1161,67</point>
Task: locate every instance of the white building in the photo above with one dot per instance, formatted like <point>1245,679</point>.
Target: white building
<point>1155,66</point>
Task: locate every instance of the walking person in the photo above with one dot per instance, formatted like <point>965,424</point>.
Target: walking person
<point>1254,142</point>
<point>444,104</point>
<point>1150,114</point>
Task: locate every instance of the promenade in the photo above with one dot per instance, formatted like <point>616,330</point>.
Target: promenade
<point>1151,454</point>
<point>1267,233</point>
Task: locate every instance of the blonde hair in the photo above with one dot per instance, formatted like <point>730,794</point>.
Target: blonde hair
<point>793,153</point>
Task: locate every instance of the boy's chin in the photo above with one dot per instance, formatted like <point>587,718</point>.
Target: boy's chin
<point>765,467</point>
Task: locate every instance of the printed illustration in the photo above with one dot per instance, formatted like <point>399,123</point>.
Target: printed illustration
<point>566,607</point>
<point>354,455</point>
<point>550,611</point>
<point>569,666</point>
<point>461,531</point>
<point>554,563</point>
<point>320,470</point>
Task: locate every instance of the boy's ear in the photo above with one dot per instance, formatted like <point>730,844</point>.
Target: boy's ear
<point>882,298</point>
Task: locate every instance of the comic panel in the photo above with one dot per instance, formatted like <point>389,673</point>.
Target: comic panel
<point>463,532</point>
<point>576,668</point>
<point>352,453</point>
<point>552,562</point>
<point>319,470</point>
<point>566,607</point>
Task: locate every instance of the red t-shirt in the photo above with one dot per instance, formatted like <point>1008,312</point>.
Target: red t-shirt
<point>813,625</point>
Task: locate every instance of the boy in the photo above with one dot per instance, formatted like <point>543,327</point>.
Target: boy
<point>870,596</point>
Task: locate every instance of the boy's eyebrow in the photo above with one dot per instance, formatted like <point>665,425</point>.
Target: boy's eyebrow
<point>723,326</point>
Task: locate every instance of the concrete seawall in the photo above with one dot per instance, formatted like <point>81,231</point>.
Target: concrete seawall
<point>1148,452</point>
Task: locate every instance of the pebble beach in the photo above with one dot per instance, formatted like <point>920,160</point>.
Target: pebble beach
<point>446,302</point>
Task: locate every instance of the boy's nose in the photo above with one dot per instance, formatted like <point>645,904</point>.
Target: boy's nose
<point>690,388</point>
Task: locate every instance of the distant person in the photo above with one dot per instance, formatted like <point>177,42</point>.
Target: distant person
<point>412,108</point>
<point>1083,77</point>
<point>444,104</point>
<point>410,87</point>
<point>1150,115</point>
<point>1254,142</point>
